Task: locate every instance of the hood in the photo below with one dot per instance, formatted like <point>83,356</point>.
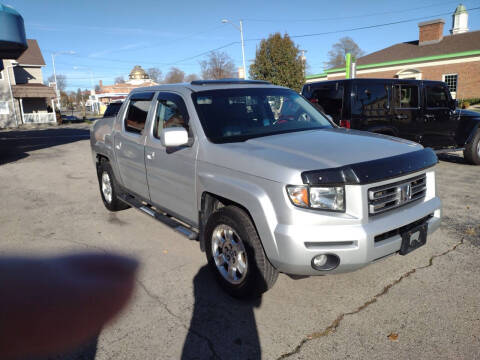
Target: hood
<point>283,157</point>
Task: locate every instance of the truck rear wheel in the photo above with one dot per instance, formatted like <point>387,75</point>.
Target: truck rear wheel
<point>235,254</point>
<point>472,150</point>
<point>109,188</point>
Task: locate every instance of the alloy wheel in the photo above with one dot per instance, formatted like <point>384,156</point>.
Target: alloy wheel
<point>229,254</point>
<point>107,187</point>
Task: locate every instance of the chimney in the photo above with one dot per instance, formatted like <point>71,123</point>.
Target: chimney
<point>431,32</point>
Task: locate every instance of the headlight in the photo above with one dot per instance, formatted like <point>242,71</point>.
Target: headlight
<point>329,198</point>
<point>321,198</point>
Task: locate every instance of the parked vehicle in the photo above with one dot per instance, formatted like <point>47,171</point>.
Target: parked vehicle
<point>264,181</point>
<point>421,111</point>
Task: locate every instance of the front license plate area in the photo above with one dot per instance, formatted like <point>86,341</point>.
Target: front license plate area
<point>413,239</point>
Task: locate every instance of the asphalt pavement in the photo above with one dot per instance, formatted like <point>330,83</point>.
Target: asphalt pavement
<point>425,305</point>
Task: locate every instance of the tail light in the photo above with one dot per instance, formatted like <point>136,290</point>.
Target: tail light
<point>314,101</point>
<point>345,123</point>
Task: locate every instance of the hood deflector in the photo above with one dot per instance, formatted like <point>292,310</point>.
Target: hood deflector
<point>374,170</point>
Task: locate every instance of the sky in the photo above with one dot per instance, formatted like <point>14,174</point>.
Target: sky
<point>101,40</point>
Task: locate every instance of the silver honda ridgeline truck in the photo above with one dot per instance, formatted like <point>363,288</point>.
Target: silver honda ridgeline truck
<point>264,181</point>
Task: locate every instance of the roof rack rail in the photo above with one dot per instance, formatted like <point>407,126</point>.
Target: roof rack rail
<point>228,81</point>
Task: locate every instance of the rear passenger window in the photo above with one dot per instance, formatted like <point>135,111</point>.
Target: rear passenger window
<point>329,99</point>
<point>371,100</point>
<point>137,112</point>
<point>406,96</point>
<point>437,97</point>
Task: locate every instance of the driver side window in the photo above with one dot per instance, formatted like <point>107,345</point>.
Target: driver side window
<point>170,113</point>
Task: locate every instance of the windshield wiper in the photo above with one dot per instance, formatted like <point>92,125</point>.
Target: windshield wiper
<point>243,138</point>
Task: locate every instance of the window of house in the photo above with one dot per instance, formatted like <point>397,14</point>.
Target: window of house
<point>137,112</point>
<point>171,112</point>
<point>437,97</point>
<point>406,96</point>
<point>4,108</point>
<point>371,99</point>
<point>451,81</point>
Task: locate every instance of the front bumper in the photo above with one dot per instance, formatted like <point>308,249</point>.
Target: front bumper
<point>354,244</point>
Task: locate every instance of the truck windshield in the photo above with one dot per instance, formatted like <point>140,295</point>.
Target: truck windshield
<point>232,115</point>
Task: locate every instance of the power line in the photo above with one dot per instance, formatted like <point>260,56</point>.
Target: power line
<point>351,17</point>
<point>366,27</point>
<point>206,52</point>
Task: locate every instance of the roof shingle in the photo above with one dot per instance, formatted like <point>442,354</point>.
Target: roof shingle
<point>33,55</point>
<point>408,50</point>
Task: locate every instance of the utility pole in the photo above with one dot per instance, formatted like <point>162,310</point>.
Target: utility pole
<point>243,51</point>
<point>55,74</point>
<point>304,62</point>
<point>243,45</point>
<point>57,92</point>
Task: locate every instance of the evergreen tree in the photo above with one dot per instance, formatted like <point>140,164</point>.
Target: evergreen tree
<point>278,60</point>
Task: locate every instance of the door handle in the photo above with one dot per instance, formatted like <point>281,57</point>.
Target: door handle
<point>118,146</point>
<point>398,116</point>
<point>429,117</point>
<point>151,155</point>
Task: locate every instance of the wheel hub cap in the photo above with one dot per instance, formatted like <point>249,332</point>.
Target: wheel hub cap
<point>229,254</point>
<point>106,187</point>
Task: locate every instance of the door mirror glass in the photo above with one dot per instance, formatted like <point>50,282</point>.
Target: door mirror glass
<point>174,136</point>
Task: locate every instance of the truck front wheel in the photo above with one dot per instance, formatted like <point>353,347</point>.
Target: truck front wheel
<point>235,254</point>
<point>472,150</point>
<point>109,188</point>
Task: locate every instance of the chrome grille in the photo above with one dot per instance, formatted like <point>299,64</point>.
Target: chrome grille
<point>391,196</point>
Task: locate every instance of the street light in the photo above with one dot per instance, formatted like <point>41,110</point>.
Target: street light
<point>224,21</point>
<point>55,74</point>
<point>12,65</point>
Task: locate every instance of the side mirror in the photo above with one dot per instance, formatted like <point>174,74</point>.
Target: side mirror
<point>174,136</point>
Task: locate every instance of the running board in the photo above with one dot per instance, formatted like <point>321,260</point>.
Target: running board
<point>446,151</point>
<point>171,222</point>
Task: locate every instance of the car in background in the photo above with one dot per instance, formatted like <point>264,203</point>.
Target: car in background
<point>418,110</point>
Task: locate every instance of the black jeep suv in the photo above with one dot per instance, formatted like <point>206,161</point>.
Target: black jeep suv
<point>422,111</point>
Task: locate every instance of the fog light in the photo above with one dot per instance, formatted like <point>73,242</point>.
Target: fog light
<point>325,262</point>
<point>319,260</point>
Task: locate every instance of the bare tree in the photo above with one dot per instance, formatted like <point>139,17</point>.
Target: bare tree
<point>218,66</point>
<point>191,77</point>
<point>119,80</point>
<point>97,88</point>
<point>336,56</point>
<point>174,75</point>
<point>61,81</point>
<point>155,74</point>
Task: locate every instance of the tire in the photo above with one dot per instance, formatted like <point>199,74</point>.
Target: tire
<point>241,249</point>
<point>472,150</point>
<point>109,192</point>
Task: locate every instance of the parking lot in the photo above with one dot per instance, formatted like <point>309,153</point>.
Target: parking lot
<point>423,306</point>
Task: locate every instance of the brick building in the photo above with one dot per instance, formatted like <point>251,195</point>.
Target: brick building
<point>137,78</point>
<point>454,58</point>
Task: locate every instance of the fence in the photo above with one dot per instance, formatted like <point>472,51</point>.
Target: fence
<point>39,118</point>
